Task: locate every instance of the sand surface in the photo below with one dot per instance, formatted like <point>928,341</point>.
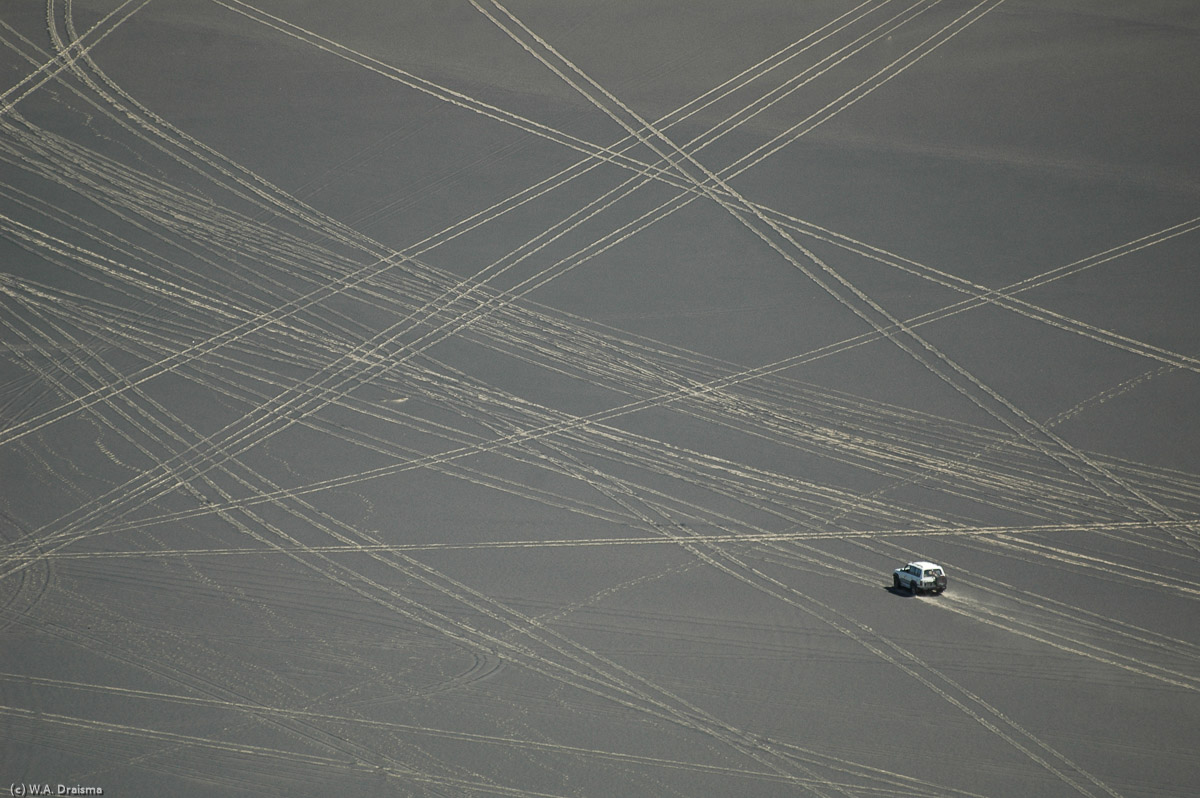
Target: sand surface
<point>534,399</point>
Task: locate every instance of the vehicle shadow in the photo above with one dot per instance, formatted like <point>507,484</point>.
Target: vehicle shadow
<point>906,593</point>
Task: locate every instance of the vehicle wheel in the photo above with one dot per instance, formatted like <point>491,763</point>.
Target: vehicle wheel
<point>912,587</point>
<point>895,581</point>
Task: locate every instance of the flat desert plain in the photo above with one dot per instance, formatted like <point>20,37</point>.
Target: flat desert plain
<point>530,398</point>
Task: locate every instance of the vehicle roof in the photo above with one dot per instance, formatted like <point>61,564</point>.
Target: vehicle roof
<point>923,564</point>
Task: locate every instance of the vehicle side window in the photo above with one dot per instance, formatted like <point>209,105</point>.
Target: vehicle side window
<point>914,570</point>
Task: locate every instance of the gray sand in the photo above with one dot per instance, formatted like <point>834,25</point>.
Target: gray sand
<point>534,399</point>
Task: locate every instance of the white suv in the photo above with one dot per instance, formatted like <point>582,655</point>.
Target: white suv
<point>919,576</point>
